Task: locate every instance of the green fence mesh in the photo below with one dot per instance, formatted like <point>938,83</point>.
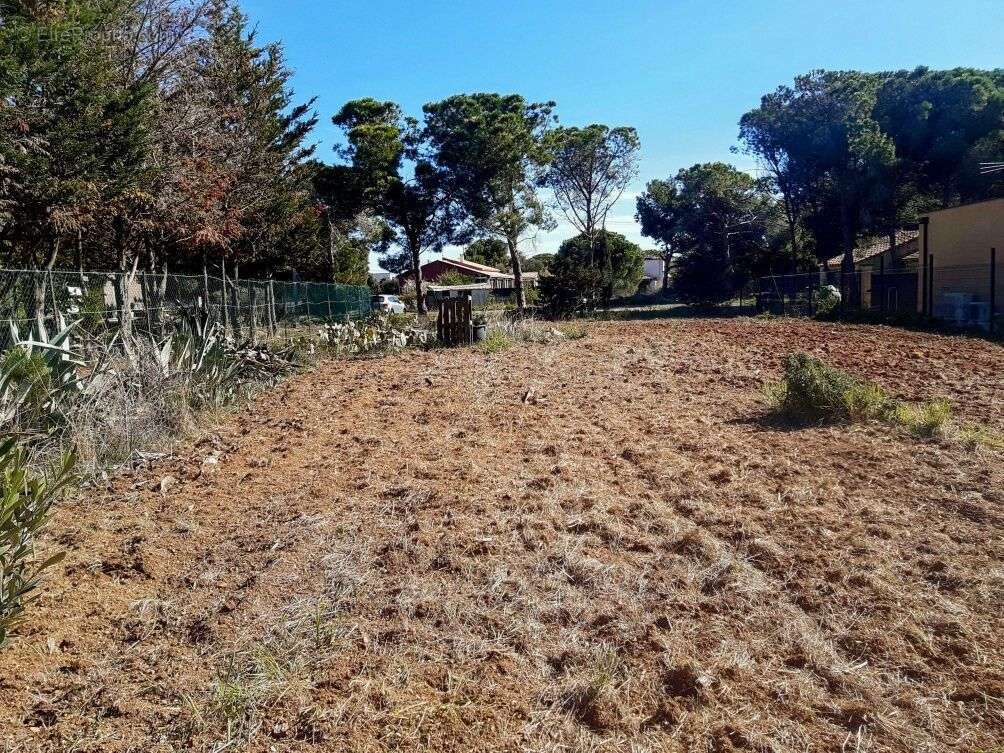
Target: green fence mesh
<point>106,301</point>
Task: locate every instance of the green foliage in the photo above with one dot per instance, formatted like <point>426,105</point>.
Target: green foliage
<point>865,153</point>
<point>589,170</point>
<point>926,420</point>
<point>490,152</point>
<point>978,435</point>
<point>583,275</point>
<point>40,379</point>
<point>495,342</point>
<point>827,301</point>
<point>217,371</point>
<point>93,309</point>
<point>573,331</point>
<point>538,262</point>
<point>380,333</point>
<point>453,277</point>
<point>188,148</point>
<point>26,385</point>
<point>719,221</point>
<point>868,402</point>
<point>25,501</point>
<point>813,391</point>
<point>491,252</point>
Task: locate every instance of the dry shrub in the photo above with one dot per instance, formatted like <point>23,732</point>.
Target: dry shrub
<point>133,406</point>
<point>523,330</point>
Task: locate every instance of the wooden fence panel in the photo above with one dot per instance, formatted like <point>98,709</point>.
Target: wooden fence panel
<point>454,326</point>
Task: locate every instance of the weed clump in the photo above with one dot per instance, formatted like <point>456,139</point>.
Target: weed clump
<point>812,391</point>
<point>496,341</point>
<point>925,420</point>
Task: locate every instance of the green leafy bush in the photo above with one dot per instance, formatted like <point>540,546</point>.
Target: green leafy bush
<point>585,274</point>
<point>25,501</point>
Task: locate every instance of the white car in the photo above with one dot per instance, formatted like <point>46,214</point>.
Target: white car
<point>390,304</point>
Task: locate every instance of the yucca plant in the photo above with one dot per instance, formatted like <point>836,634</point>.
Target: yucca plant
<point>25,500</point>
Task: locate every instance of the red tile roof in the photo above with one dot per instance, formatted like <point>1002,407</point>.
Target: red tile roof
<point>870,247</point>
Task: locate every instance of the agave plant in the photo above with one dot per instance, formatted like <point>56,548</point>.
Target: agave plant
<point>25,501</point>
<point>216,367</point>
<point>41,377</point>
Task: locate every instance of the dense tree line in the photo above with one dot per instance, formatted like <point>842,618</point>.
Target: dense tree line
<point>156,133</point>
<point>846,155</point>
<point>160,134</point>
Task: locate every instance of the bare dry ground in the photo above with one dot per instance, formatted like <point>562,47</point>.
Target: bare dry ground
<point>595,545</point>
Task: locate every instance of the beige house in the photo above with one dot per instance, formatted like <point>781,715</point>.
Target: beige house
<point>886,270</point>
<point>955,250</point>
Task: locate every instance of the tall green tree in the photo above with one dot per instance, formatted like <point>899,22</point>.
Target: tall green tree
<point>719,221</point>
<point>419,213</point>
<point>937,119</point>
<point>491,151</point>
<point>589,170</point>
<point>574,280</point>
<point>830,154</point>
<point>657,213</point>
<point>390,177</point>
<point>492,252</point>
<point>261,136</point>
<point>81,133</point>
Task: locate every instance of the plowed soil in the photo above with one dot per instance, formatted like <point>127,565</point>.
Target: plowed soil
<point>601,544</point>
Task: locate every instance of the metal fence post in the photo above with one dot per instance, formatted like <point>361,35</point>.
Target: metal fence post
<point>223,299</point>
<point>930,285</point>
<point>253,301</point>
<point>271,307</point>
<point>993,291</point>
<point>881,285</point>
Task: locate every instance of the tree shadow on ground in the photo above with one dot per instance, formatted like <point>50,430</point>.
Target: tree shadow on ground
<point>772,421</point>
<point>675,311</point>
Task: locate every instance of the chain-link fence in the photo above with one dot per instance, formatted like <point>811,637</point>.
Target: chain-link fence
<point>155,303</point>
<point>968,296</point>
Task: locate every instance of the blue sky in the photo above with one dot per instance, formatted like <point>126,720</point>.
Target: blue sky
<point>680,71</point>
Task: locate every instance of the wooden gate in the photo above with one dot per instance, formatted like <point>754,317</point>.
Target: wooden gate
<point>455,323</point>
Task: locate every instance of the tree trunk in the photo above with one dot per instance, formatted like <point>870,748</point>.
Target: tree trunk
<point>517,274</point>
<point>667,259</point>
<point>792,231</point>
<point>332,248</point>
<point>53,256</point>
<point>847,283</point>
<point>416,252</point>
